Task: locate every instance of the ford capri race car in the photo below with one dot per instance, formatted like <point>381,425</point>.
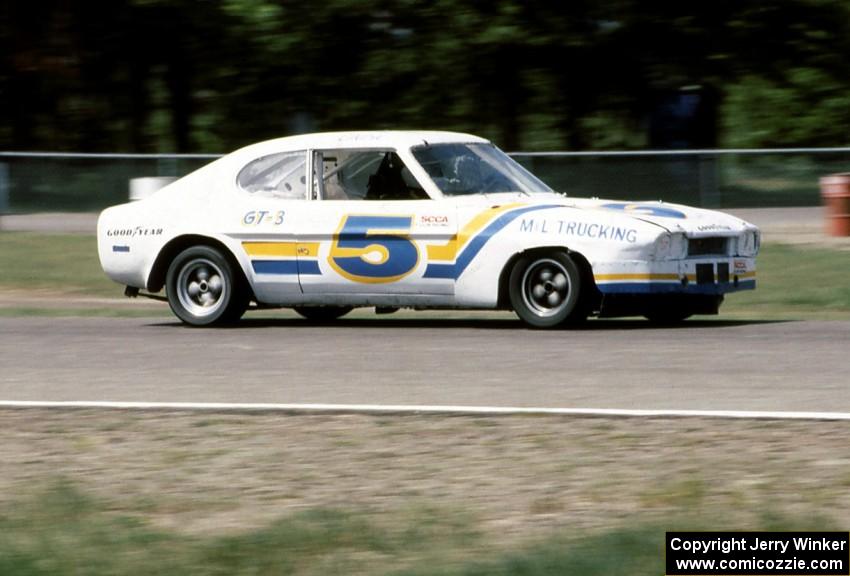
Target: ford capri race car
<point>324,223</point>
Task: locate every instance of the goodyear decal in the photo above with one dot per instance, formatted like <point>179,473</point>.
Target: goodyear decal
<point>283,258</point>
<point>646,209</point>
<point>462,248</point>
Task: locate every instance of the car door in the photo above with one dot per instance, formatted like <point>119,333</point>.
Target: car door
<point>370,228</point>
<point>270,201</point>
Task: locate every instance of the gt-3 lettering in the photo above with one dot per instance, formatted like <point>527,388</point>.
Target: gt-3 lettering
<point>257,217</point>
<point>374,249</point>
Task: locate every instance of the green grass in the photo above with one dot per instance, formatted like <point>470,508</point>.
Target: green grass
<point>64,264</point>
<point>64,532</point>
<point>793,282</point>
<point>796,282</point>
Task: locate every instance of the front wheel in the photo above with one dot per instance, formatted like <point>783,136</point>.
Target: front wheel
<point>203,288</point>
<point>546,290</point>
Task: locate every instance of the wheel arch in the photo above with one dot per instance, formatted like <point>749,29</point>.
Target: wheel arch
<point>159,270</point>
<point>583,264</point>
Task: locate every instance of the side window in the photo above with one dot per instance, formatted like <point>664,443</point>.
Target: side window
<point>281,175</point>
<point>365,175</point>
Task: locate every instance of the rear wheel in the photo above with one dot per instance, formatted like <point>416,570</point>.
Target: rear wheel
<point>546,290</point>
<point>203,288</point>
<point>323,313</point>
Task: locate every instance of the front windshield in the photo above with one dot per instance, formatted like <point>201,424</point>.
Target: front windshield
<point>459,169</point>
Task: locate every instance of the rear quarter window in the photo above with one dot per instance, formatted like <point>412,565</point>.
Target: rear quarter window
<point>282,175</point>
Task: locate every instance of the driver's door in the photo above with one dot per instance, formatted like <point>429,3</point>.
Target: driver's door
<point>369,228</point>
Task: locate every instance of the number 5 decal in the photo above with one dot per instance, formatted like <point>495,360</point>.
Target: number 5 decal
<point>374,249</point>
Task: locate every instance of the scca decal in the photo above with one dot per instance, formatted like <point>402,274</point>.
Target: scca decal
<point>374,249</point>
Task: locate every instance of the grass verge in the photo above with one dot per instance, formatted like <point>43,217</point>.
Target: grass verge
<point>63,531</point>
<point>61,264</point>
<point>793,282</point>
<point>796,282</point>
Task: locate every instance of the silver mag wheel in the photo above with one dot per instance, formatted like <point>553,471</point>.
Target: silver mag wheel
<point>545,290</point>
<point>203,288</point>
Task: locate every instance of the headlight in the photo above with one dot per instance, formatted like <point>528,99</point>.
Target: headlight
<point>748,243</point>
<point>670,246</point>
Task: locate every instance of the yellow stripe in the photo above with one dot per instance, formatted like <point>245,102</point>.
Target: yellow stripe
<point>282,249</point>
<point>648,277</point>
<point>621,277</point>
<point>270,248</point>
<point>448,252</point>
<point>741,276</point>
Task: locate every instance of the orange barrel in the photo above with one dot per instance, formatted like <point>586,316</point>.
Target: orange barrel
<point>835,191</point>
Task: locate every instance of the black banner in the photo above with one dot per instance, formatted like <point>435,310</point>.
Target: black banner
<point>758,553</point>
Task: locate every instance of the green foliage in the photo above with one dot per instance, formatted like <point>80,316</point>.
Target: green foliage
<point>65,532</point>
<point>165,75</point>
<point>806,107</point>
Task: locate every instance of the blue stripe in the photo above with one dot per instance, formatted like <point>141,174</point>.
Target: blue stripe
<point>440,271</point>
<point>673,288</point>
<point>309,267</point>
<point>275,266</point>
<point>116,248</point>
<point>474,246</point>
<point>286,267</point>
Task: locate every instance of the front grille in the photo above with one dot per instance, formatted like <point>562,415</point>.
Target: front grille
<point>705,273</point>
<point>712,246</point>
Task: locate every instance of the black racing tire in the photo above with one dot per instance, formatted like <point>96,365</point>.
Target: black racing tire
<point>204,289</point>
<point>545,290</point>
<point>323,313</point>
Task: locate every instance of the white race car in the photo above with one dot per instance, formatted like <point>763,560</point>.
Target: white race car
<point>323,223</point>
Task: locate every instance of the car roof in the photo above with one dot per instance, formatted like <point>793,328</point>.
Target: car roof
<point>397,139</point>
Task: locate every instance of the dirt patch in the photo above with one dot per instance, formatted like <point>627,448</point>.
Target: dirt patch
<point>516,477</point>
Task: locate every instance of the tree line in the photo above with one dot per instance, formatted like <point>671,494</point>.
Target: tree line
<point>209,76</point>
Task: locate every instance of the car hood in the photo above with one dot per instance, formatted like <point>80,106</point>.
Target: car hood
<point>695,222</point>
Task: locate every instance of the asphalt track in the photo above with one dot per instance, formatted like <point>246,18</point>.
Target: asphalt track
<point>702,365</point>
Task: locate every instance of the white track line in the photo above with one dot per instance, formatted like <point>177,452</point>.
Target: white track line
<point>414,409</point>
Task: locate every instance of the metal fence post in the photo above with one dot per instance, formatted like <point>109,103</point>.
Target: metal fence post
<point>709,191</point>
<point>4,190</point>
<point>166,167</point>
